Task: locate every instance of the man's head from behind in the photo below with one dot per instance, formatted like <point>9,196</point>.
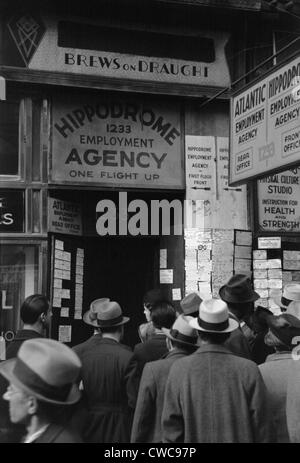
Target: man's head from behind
<point>35,311</point>
<point>162,314</point>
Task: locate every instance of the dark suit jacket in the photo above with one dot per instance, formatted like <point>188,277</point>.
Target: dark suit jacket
<point>106,369</point>
<point>21,336</point>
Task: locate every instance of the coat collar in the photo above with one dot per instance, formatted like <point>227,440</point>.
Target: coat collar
<point>213,348</point>
<point>176,353</point>
<point>27,334</point>
<point>279,356</point>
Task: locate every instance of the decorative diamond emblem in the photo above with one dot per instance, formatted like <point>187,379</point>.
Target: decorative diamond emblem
<point>27,32</point>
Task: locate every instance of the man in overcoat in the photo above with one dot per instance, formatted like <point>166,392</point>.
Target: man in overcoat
<point>181,341</point>
<point>107,366</point>
<point>214,395</point>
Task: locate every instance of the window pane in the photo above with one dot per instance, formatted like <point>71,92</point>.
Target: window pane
<point>18,279</point>
<point>9,138</point>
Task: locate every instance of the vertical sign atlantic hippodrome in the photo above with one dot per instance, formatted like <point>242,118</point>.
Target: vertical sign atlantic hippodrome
<point>265,129</point>
<point>116,142</point>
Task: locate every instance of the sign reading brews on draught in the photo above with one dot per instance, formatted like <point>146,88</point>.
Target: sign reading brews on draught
<point>265,129</point>
<point>116,141</point>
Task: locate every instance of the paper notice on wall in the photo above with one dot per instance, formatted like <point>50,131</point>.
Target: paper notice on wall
<point>200,167</point>
<point>243,252</point>
<point>59,245</point>
<point>65,294</point>
<point>77,315</point>
<point>79,270</point>
<point>242,266</point>
<point>58,264</point>
<point>258,254</point>
<point>296,276</point>
<point>263,293</point>
<point>230,207</point>
<point>64,312</point>
<point>291,264</point>
<point>78,278</point>
<point>291,255</point>
<point>79,260</point>
<point>66,274</point>
<point>162,258</point>
<point>57,283</point>
<point>269,243</point>
<point>243,238</point>
<point>80,252</point>
<point>274,263</point>
<point>67,256</point>
<point>166,276</point>
<point>58,254</point>
<point>58,273</point>
<point>64,333</point>
<point>274,283</point>
<point>57,293</point>
<point>56,302</point>
<point>260,284</point>
<point>260,274</point>
<point>205,290</point>
<point>176,294</point>
<point>275,273</point>
<point>260,264</point>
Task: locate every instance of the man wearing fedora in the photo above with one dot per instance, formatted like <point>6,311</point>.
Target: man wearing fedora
<point>289,299</point>
<point>190,304</point>
<point>107,366</point>
<point>42,384</point>
<point>181,341</point>
<point>214,395</point>
<point>247,340</point>
<point>283,330</point>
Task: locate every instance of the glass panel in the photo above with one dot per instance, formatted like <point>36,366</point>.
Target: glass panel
<point>9,138</point>
<point>18,279</point>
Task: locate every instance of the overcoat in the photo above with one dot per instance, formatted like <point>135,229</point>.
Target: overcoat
<point>106,369</point>
<point>215,396</point>
<point>57,434</point>
<point>147,417</point>
<point>275,372</point>
<point>293,398</point>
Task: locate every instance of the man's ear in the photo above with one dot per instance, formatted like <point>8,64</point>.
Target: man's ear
<point>32,405</point>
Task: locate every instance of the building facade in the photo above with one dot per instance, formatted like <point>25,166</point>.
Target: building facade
<point>110,110</point>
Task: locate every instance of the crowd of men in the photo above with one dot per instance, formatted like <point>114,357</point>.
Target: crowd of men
<point>221,371</point>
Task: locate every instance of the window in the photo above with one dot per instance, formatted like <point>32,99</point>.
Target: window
<point>9,138</point>
<point>18,279</point>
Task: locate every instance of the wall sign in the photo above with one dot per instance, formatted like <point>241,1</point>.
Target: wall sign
<point>279,201</point>
<point>64,217</point>
<point>120,141</point>
<point>100,50</point>
<point>12,214</point>
<point>265,131</point>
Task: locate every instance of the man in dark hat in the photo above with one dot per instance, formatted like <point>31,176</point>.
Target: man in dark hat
<point>247,340</point>
<point>283,329</point>
<point>181,341</point>
<point>42,383</point>
<point>213,395</point>
<point>107,366</point>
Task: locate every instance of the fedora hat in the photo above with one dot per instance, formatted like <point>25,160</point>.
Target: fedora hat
<point>290,293</point>
<point>238,289</point>
<point>110,314</point>
<point>214,317</point>
<point>90,316</point>
<point>182,332</point>
<point>190,303</point>
<point>285,327</point>
<point>46,369</point>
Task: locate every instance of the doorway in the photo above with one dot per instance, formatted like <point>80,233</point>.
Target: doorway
<point>122,269</point>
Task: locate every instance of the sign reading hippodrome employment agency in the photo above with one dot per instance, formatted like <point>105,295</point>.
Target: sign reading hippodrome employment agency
<point>116,142</point>
<point>265,127</point>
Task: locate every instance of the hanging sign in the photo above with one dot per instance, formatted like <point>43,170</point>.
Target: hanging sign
<point>116,141</point>
<point>279,202</point>
<point>265,131</point>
